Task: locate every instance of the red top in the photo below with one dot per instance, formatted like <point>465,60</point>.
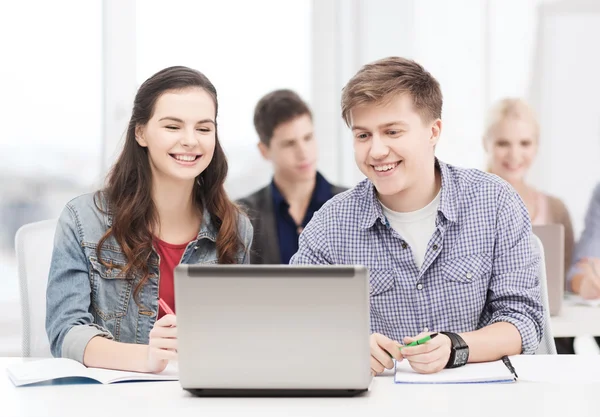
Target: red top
<point>170,256</point>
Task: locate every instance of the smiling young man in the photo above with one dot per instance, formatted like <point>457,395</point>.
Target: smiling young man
<point>281,210</point>
<point>448,249</point>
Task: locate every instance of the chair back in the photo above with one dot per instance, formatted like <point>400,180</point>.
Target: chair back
<point>34,243</point>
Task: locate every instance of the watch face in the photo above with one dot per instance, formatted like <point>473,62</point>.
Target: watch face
<point>462,355</point>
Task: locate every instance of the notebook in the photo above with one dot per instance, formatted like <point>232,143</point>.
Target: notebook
<point>35,371</point>
<point>578,300</point>
<point>471,373</point>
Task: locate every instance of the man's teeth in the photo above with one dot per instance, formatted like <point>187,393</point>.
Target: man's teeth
<point>186,158</point>
<point>383,168</point>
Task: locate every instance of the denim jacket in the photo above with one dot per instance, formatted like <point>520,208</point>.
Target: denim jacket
<point>85,299</point>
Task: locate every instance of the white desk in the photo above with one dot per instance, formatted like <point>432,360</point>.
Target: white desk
<point>576,320</point>
<point>565,396</point>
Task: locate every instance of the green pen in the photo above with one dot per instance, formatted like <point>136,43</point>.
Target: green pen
<point>417,342</point>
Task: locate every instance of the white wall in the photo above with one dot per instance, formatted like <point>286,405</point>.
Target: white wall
<point>565,92</point>
<point>450,42</point>
<point>479,50</point>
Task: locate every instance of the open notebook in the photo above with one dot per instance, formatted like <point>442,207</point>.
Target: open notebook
<point>35,371</point>
<point>578,300</point>
<point>471,373</point>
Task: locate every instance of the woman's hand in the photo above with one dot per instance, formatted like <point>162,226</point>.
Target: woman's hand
<point>162,346</point>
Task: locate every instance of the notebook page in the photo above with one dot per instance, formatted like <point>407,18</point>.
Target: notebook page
<point>563,369</point>
<point>578,300</point>
<point>34,371</point>
<point>109,376</point>
<point>470,373</point>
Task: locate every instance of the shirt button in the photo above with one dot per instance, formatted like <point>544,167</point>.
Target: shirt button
<point>435,247</point>
<point>404,245</point>
<point>419,286</point>
<point>469,275</point>
<point>425,329</point>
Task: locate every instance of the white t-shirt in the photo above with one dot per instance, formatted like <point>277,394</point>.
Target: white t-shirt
<point>415,227</point>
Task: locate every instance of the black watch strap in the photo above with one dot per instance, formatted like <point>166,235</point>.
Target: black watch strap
<point>459,347</point>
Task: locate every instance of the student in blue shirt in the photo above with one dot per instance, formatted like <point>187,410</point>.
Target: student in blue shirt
<point>584,275</point>
<point>281,210</point>
<point>448,249</point>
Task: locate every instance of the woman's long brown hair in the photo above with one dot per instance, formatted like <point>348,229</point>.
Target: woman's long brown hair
<point>127,195</point>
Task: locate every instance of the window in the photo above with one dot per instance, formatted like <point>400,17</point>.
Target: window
<point>245,48</point>
<point>50,116</point>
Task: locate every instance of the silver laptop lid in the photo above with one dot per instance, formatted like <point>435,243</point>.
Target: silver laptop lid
<point>273,326</point>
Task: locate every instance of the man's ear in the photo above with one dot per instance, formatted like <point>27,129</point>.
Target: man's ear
<point>140,136</point>
<point>264,151</point>
<point>436,132</point>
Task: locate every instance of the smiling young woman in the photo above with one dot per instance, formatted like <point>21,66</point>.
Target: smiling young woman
<point>164,203</point>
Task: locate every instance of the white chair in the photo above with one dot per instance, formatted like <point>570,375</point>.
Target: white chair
<point>547,345</point>
<point>34,243</point>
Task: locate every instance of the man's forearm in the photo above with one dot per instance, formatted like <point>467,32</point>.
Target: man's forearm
<point>492,342</point>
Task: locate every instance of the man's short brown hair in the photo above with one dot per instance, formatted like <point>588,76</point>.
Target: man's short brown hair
<point>383,79</point>
<point>277,107</point>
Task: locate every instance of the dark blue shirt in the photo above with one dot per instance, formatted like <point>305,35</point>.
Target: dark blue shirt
<point>287,230</point>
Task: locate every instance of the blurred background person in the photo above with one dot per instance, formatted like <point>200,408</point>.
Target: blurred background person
<point>584,276</point>
<point>511,142</point>
<point>280,211</point>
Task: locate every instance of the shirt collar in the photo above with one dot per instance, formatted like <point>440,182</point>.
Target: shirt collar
<point>322,192</point>
<point>320,195</point>
<point>278,199</point>
<point>448,202</point>
<point>207,228</point>
<point>448,199</point>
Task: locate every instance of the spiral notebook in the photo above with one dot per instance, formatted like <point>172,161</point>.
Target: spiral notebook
<point>471,373</point>
<point>62,369</point>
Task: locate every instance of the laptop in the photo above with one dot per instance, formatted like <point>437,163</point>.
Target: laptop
<point>553,241</point>
<point>273,330</point>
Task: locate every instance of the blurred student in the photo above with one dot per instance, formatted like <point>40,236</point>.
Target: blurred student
<point>163,204</point>
<point>584,275</point>
<point>448,249</point>
<point>280,211</point>
<point>511,141</point>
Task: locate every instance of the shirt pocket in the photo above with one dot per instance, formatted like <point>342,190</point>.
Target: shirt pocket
<point>381,281</point>
<point>383,299</point>
<point>111,290</point>
<point>465,282</point>
<point>468,270</point>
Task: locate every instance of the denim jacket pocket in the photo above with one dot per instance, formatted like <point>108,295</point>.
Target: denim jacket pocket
<point>213,261</point>
<point>111,290</point>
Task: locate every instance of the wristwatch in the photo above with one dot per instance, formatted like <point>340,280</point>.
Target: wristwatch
<point>459,354</point>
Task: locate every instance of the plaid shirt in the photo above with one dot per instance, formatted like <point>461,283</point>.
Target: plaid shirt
<point>480,266</point>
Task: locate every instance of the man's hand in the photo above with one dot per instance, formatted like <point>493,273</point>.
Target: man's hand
<point>589,269</point>
<point>381,349</point>
<point>430,357</point>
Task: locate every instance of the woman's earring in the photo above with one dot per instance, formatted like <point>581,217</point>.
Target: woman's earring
<point>200,180</point>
